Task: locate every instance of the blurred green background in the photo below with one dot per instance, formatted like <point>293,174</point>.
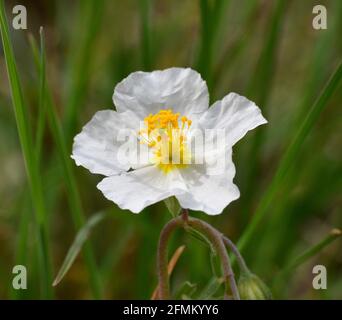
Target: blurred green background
<point>265,50</point>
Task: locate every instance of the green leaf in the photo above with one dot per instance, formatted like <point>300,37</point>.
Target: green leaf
<point>214,259</point>
<point>215,264</point>
<point>76,246</point>
<point>201,237</point>
<point>173,206</point>
<point>186,290</point>
<point>211,288</point>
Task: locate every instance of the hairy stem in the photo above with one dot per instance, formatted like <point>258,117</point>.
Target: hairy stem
<point>162,263</point>
<point>216,239</point>
<point>240,260</point>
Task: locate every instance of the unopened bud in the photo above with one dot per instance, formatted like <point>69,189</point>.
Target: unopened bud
<point>252,287</point>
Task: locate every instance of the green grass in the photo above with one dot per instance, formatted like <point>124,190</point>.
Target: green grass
<point>31,161</point>
<point>42,100</point>
<point>211,15</point>
<point>83,45</point>
<point>287,171</point>
<point>145,18</point>
<point>290,155</point>
<point>259,90</point>
<point>311,252</point>
<point>68,175</point>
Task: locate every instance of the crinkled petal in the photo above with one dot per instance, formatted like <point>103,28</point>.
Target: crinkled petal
<point>140,188</point>
<point>96,147</point>
<point>210,187</point>
<point>235,114</point>
<point>182,90</point>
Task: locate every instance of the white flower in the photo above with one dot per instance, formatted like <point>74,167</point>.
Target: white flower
<point>171,100</point>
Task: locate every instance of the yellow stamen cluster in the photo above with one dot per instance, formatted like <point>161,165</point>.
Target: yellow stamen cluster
<point>166,130</point>
<point>165,119</point>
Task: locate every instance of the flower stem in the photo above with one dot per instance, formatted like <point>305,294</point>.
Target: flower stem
<point>185,215</point>
<point>216,239</point>
<point>240,260</point>
<point>163,277</point>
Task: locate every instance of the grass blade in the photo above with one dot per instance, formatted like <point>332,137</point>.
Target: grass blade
<point>259,90</point>
<point>84,44</point>
<point>281,279</point>
<point>115,252</point>
<point>211,14</point>
<point>41,108</point>
<point>276,242</point>
<point>258,87</point>
<point>21,255</point>
<point>305,256</point>
<point>76,246</point>
<point>290,155</point>
<point>145,10</point>
<point>31,163</point>
<point>70,181</point>
<point>234,50</point>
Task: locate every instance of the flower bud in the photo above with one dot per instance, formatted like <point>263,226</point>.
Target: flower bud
<point>252,287</point>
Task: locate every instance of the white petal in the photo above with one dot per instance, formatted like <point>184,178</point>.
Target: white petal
<point>96,147</point>
<point>209,192</point>
<point>235,114</point>
<point>179,89</point>
<point>140,188</point>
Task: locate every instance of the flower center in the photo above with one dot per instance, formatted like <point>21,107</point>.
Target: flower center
<point>165,132</point>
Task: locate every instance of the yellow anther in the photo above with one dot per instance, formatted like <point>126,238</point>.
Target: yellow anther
<point>160,136</point>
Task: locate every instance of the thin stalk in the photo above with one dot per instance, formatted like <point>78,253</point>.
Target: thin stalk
<point>332,236</point>
<point>211,234</point>
<point>162,263</point>
<point>290,155</point>
<point>216,238</point>
<point>41,105</point>
<point>31,163</point>
<point>281,278</point>
<point>240,260</point>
